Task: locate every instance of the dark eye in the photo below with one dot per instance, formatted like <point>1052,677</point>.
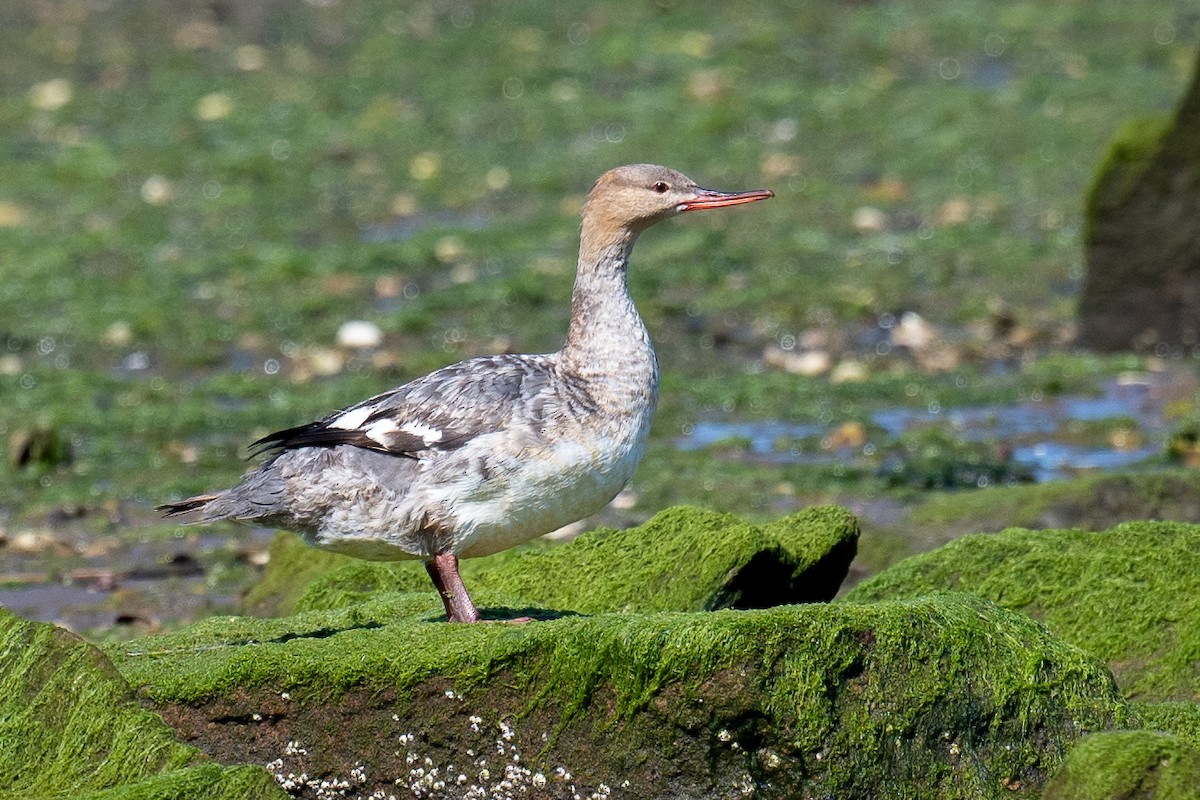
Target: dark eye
<point>660,187</point>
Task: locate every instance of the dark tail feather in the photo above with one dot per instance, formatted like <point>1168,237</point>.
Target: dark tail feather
<point>184,506</point>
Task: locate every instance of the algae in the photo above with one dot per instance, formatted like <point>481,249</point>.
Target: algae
<point>1130,153</point>
<point>1128,594</point>
<point>1092,502</point>
<point>683,559</point>
<point>1124,765</point>
<point>950,692</point>
<point>71,727</point>
<point>1141,283</point>
<point>291,566</point>
<point>1179,718</point>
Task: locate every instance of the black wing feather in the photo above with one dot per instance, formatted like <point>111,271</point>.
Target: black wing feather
<point>460,401</point>
<point>317,434</point>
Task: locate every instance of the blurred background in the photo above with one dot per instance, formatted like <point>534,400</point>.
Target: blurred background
<point>219,219</point>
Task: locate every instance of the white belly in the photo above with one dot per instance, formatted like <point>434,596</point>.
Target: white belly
<point>543,493</point>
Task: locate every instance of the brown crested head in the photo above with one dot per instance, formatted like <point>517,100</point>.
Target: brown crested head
<point>636,196</point>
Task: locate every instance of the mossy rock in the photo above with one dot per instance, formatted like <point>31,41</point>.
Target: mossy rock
<point>70,726</point>
<point>1128,765</point>
<point>950,696</point>
<point>1142,288</point>
<point>684,559</point>
<point>1092,502</point>
<point>1128,595</point>
<point>1180,718</point>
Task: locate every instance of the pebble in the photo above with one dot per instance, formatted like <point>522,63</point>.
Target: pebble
<point>850,434</point>
<point>868,219</point>
<point>50,95</point>
<point>359,334</point>
<point>625,500</point>
<point>12,215</point>
<point>955,211</point>
<point>214,106</point>
<point>157,190</point>
<point>324,361</point>
<point>848,371</point>
<point>913,332</point>
<point>31,542</point>
<point>118,334</point>
<point>808,363</point>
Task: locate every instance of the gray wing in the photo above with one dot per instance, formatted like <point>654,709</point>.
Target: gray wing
<point>440,411</point>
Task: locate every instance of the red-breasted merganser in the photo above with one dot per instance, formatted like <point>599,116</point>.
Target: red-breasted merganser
<point>490,452</point>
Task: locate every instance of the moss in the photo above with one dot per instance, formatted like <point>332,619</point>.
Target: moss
<point>1083,502</point>
<point>70,727</point>
<point>1129,155</point>
<point>1092,502</point>
<point>1127,765</point>
<point>199,782</point>
<point>684,559</point>
<point>1127,594</point>
<point>290,568</point>
<point>949,692</point>
<point>1140,235</point>
<point>1179,718</point>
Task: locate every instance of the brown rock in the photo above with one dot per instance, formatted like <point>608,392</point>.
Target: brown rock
<point>1142,287</point>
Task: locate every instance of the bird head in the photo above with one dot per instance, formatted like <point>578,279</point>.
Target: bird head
<point>636,196</point>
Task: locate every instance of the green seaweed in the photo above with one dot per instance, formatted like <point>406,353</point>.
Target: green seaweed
<point>1126,594</point>
<point>1180,718</point>
<point>1124,765</point>
<point>950,690</point>
<point>1090,502</point>
<point>70,727</point>
<point>198,782</point>
<point>291,567</point>
<point>1130,154</point>
<point>683,559</point>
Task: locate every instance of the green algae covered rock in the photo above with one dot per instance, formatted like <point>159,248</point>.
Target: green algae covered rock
<point>71,727</point>
<point>1126,765</point>
<point>1128,595</point>
<point>1142,287</point>
<point>1180,718</point>
<point>949,695</point>
<point>684,559</point>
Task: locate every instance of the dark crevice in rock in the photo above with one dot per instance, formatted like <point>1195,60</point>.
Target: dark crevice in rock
<point>772,578</point>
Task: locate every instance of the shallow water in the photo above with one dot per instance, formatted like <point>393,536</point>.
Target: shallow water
<point>1037,432</point>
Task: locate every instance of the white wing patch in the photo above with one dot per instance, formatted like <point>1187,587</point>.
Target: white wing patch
<point>428,433</point>
<point>352,419</point>
<point>381,430</point>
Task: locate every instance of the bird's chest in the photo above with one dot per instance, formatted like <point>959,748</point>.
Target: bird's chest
<point>589,468</point>
<point>546,483</point>
<point>580,466</point>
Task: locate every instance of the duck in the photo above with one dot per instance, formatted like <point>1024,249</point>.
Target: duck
<point>490,452</point>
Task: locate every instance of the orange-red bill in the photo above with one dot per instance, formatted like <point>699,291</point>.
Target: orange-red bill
<point>709,198</point>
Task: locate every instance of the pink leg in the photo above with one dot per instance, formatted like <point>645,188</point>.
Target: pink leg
<point>443,570</point>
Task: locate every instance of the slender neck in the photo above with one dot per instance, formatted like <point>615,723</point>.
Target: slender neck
<point>606,339</point>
